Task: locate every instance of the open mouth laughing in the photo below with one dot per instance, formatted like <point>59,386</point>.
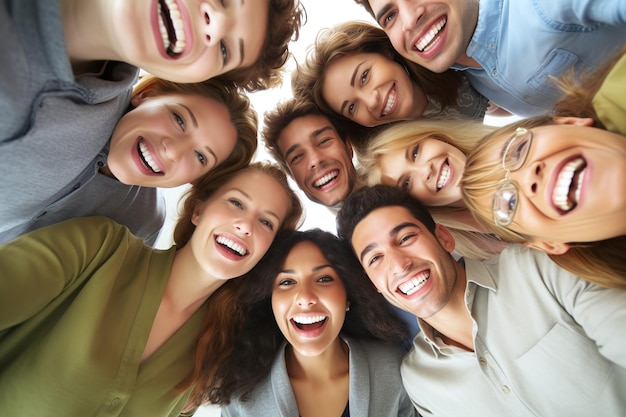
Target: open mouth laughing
<point>444,175</point>
<point>391,100</point>
<point>428,40</point>
<point>171,27</point>
<point>232,246</point>
<point>147,158</point>
<point>566,191</point>
<point>326,179</point>
<point>309,322</point>
<point>414,284</point>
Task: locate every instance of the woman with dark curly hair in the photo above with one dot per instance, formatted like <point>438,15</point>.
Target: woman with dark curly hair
<point>317,340</point>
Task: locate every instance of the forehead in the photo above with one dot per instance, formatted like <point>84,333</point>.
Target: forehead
<point>264,191</point>
<point>305,256</point>
<point>304,129</point>
<point>253,19</point>
<point>377,227</point>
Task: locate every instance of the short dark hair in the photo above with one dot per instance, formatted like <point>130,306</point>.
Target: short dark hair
<point>367,199</point>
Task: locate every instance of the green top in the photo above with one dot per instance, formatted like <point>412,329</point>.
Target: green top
<point>610,101</point>
<point>77,302</point>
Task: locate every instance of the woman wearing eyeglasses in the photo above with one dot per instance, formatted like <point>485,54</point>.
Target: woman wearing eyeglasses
<point>558,183</point>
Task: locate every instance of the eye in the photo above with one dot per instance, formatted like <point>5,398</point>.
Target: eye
<point>324,141</point>
<point>235,203</point>
<point>373,260</point>
<point>296,158</point>
<point>224,52</point>
<point>179,120</point>
<point>351,109</point>
<point>387,19</point>
<point>325,278</point>
<point>201,158</point>
<point>406,238</point>
<point>286,282</point>
<point>267,224</point>
<point>405,183</point>
<point>415,152</point>
<point>364,76</point>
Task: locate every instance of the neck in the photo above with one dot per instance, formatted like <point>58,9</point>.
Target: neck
<point>453,321</point>
<point>188,285</point>
<point>333,363</point>
<point>87,32</point>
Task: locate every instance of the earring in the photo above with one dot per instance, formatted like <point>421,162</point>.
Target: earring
<point>348,308</point>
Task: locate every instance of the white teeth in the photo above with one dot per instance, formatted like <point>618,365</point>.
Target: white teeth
<point>308,319</point>
<point>231,245</point>
<point>390,101</point>
<point>178,26</point>
<point>411,286</point>
<point>425,40</point>
<point>561,191</point>
<point>443,176</point>
<point>326,179</point>
<point>145,154</point>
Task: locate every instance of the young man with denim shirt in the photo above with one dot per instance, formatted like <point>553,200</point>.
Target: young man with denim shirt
<point>509,50</point>
<point>513,335</point>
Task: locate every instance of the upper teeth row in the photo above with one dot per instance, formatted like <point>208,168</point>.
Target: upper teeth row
<point>308,319</point>
<point>390,101</point>
<point>414,284</point>
<point>231,244</point>
<point>443,177</point>
<point>145,153</point>
<point>326,178</point>
<point>177,22</point>
<point>560,194</point>
<point>430,35</point>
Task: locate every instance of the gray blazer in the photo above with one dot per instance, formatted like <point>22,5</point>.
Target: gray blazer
<point>375,386</point>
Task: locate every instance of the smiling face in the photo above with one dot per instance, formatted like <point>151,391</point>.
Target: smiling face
<point>571,186</point>
<point>430,170</point>
<point>433,34</point>
<point>309,300</point>
<point>410,266</point>
<point>189,41</point>
<point>319,160</point>
<point>236,226</point>
<point>170,140</point>
<point>371,89</point>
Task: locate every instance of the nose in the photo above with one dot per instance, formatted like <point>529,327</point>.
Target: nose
<point>306,297</point>
<point>175,148</point>
<point>371,100</point>
<point>315,159</point>
<point>217,22</point>
<point>529,178</point>
<point>409,15</point>
<point>243,226</point>
<point>399,263</point>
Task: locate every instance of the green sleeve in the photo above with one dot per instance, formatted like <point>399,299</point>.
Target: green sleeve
<point>610,101</point>
<point>38,266</point>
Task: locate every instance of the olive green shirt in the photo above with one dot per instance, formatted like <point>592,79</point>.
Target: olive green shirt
<point>77,302</point>
<point>610,101</point>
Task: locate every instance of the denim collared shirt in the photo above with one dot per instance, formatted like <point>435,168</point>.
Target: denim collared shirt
<point>520,44</point>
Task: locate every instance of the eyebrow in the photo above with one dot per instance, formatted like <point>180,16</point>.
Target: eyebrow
<point>382,12</point>
<point>392,233</point>
<point>354,73</point>
<point>314,134</point>
<point>317,268</point>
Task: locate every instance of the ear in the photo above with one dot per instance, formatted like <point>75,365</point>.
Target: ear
<point>578,121</point>
<point>349,147</point>
<point>139,98</point>
<point>195,216</point>
<point>445,238</point>
<point>553,248</point>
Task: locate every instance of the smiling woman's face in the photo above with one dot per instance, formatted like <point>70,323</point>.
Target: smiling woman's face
<point>572,186</point>
<point>170,140</point>
<point>371,89</point>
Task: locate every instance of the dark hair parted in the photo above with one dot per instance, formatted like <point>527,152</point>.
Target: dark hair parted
<point>367,199</point>
<point>260,338</point>
<point>284,20</point>
<point>275,121</point>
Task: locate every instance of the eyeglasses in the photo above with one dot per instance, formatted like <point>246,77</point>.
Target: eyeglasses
<point>506,197</point>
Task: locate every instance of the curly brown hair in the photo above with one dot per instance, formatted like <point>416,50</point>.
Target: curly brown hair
<point>284,20</point>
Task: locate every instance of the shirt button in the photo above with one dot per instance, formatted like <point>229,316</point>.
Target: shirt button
<point>491,46</point>
<point>505,389</point>
<point>494,72</point>
<point>482,361</point>
<point>115,402</point>
<point>100,164</point>
<point>527,97</point>
<point>76,186</point>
